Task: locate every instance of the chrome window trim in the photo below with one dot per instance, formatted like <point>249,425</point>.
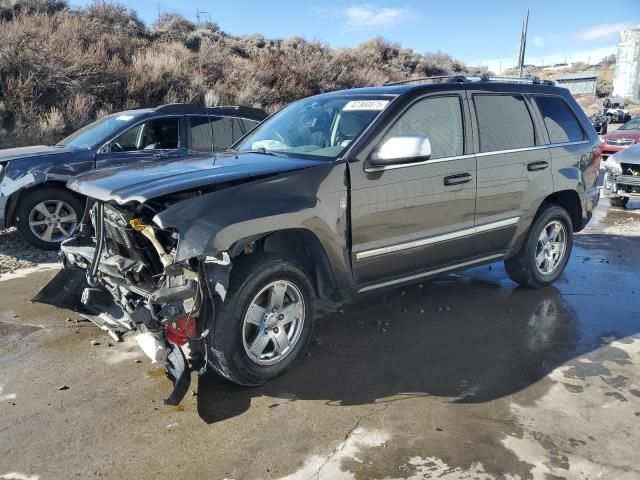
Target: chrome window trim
<point>398,247</point>
<point>471,155</point>
<point>430,272</point>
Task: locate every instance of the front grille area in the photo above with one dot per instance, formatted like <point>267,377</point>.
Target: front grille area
<point>620,142</point>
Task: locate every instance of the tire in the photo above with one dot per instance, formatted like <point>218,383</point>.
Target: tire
<point>619,201</point>
<point>229,339</point>
<point>522,268</point>
<point>32,224</point>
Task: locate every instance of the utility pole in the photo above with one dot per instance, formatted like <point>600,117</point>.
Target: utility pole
<point>201,12</point>
<point>159,13</point>
<point>523,41</point>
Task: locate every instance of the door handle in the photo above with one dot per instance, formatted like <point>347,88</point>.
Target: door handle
<point>457,179</point>
<point>535,166</point>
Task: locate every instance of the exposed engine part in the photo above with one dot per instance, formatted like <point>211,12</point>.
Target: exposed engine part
<point>148,232</point>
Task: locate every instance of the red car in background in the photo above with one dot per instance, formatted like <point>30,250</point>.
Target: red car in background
<point>628,134</point>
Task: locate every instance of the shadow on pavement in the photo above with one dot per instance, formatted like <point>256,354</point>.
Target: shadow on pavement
<point>468,338</point>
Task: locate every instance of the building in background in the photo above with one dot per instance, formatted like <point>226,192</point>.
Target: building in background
<point>626,83</point>
<point>580,83</point>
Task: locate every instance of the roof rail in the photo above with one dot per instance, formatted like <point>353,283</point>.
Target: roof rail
<point>449,78</point>
<point>473,78</point>
<point>230,110</point>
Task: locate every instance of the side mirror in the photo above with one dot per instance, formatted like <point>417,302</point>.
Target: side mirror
<point>397,150</point>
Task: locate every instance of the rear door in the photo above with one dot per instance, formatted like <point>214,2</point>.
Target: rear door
<point>154,139</point>
<point>514,173</point>
<point>412,217</point>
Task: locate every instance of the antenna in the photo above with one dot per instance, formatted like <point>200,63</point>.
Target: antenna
<point>523,41</point>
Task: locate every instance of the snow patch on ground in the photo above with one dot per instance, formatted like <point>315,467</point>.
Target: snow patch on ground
<point>329,467</point>
<point>564,432</point>
<point>432,467</point>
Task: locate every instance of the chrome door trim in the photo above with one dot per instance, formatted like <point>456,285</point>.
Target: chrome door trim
<point>430,272</point>
<point>416,164</point>
<point>437,239</point>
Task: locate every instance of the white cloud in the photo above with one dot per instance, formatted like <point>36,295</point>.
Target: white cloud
<point>604,31</point>
<point>367,15</point>
<point>539,41</point>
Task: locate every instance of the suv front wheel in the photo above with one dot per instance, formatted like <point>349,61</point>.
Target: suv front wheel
<point>265,321</point>
<point>545,251</point>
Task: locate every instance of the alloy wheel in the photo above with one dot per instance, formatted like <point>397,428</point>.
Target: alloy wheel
<point>52,220</point>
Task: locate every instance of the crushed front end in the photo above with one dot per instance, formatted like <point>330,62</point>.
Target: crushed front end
<point>119,272</point>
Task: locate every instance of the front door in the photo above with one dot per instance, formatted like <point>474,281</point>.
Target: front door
<point>416,216</point>
<point>155,139</point>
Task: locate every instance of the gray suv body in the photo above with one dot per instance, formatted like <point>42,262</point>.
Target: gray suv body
<point>336,195</point>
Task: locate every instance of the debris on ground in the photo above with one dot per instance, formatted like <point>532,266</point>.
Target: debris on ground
<point>15,253</point>
<point>95,342</point>
<point>63,387</point>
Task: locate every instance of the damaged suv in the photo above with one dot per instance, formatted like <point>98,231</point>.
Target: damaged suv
<point>336,195</point>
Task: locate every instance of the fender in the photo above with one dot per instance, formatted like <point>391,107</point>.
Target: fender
<point>314,199</point>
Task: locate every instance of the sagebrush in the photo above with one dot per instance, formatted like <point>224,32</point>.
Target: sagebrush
<point>61,68</point>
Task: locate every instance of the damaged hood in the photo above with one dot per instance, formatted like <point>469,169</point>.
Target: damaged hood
<point>23,153</point>
<point>146,180</point>
<point>628,155</point>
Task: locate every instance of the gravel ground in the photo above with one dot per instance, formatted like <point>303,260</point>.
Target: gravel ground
<point>15,253</point>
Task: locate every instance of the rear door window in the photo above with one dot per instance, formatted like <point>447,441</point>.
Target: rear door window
<point>561,123</point>
<point>504,122</point>
<point>437,118</point>
<point>217,132</point>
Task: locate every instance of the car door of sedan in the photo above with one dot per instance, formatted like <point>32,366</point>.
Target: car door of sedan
<point>413,217</point>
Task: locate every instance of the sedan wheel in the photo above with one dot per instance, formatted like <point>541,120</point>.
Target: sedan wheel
<point>52,220</point>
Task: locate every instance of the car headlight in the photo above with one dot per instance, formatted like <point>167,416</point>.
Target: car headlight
<point>612,165</point>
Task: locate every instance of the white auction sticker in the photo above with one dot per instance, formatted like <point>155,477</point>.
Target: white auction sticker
<point>365,105</point>
<point>124,118</point>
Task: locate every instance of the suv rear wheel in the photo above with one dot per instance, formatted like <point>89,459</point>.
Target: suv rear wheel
<point>47,216</point>
<point>545,251</point>
<point>265,322</point>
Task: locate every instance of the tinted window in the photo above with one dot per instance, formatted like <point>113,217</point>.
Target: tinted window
<point>159,134</point>
<point>439,119</point>
<point>560,121</point>
<point>200,136</point>
<point>503,122</point>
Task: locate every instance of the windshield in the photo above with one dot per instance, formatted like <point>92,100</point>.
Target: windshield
<point>315,127</point>
<point>633,124</point>
<point>96,132</point>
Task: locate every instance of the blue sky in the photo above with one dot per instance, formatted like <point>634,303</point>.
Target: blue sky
<point>478,32</point>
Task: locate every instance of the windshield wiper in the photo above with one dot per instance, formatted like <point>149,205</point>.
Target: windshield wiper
<point>261,150</point>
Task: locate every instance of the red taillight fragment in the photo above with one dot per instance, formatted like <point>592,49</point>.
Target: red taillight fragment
<point>181,331</point>
<point>597,157</point>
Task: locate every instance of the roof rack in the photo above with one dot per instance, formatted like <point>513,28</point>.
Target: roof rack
<point>473,78</point>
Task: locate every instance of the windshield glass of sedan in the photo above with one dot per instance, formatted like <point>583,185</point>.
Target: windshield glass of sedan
<point>633,124</point>
<point>96,132</point>
<point>316,127</point>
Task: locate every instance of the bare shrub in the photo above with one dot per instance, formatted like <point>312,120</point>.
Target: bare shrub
<point>61,68</point>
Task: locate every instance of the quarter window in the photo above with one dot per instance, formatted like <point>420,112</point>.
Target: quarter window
<point>504,122</point>
<point>560,121</point>
<point>437,118</point>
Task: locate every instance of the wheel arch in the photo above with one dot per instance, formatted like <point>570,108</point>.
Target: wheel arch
<point>299,245</point>
<point>14,198</point>
<point>570,201</point>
